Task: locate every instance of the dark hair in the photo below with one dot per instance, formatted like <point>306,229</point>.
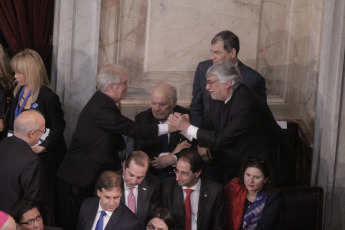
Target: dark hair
<point>230,40</point>
<point>163,214</point>
<point>20,208</point>
<point>261,163</point>
<point>109,180</point>
<point>193,157</point>
<point>139,157</point>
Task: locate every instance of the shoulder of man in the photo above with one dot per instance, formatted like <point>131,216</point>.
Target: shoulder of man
<point>181,109</point>
<point>144,115</point>
<point>204,65</point>
<point>244,69</point>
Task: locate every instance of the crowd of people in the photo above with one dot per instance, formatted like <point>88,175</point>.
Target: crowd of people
<point>214,166</point>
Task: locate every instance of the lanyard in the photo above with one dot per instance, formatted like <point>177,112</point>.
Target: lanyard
<point>20,109</point>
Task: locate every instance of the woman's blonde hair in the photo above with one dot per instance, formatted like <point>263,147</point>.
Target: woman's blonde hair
<point>29,63</point>
<point>6,78</point>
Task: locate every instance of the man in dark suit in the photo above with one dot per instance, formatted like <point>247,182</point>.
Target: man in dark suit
<point>194,202</point>
<point>163,103</point>
<point>21,169</point>
<point>240,125</point>
<point>143,188</point>
<point>96,141</point>
<point>27,216</point>
<point>224,46</point>
<point>106,211</point>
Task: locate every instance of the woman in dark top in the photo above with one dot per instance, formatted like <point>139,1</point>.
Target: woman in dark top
<point>33,92</point>
<point>6,84</point>
<point>250,201</point>
<point>160,218</point>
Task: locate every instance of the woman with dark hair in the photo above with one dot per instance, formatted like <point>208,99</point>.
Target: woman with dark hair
<point>160,218</point>
<point>250,201</point>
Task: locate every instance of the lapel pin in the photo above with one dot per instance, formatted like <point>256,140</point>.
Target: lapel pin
<point>144,189</point>
<point>205,195</point>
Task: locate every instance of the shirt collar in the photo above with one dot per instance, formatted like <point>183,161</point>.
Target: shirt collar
<point>100,209</point>
<point>22,139</point>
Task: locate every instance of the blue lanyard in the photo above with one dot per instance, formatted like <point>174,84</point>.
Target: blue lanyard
<point>20,109</point>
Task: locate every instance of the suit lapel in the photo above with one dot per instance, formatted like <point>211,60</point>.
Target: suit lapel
<point>115,218</point>
<point>203,198</point>
<point>92,214</point>
<point>142,195</point>
<point>179,201</point>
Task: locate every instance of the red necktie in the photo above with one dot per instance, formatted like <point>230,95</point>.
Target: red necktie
<point>188,210</point>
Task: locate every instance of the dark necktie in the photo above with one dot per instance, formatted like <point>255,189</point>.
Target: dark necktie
<point>165,143</point>
<point>188,210</point>
<point>99,225</point>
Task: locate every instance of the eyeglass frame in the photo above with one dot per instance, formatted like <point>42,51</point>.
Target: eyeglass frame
<point>183,174</point>
<point>125,83</point>
<point>30,222</point>
<point>208,82</point>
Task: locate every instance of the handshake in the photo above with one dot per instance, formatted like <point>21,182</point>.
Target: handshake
<point>178,122</point>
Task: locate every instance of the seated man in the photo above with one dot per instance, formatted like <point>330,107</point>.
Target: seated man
<point>194,202</point>
<point>141,190</point>
<point>6,222</point>
<point>161,149</point>
<point>27,216</point>
<point>106,211</point>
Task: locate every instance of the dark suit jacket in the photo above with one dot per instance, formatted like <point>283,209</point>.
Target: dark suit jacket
<point>121,219</point>
<point>97,139</point>
<point>21,174</point>
<point>200,102</point>
<point>49,105</point>
<point>243,127</point>
<point>148,196</point>
<point>272,212</point>
<point>211,204</point>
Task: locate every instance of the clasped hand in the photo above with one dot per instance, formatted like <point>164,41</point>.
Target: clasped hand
<point>178,121</point>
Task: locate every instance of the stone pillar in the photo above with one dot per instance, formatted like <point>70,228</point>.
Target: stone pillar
<point>329,145</point>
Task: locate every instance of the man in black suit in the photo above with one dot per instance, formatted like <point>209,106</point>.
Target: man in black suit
<point>163,103</point>
<point>106,211</point>
<point>240,125</point>
<point>224,46</point>
<point>21,169</point>
<point>96,141</point>
<point>28,217</point>
<point>194,202</point>
<point>144,187</point>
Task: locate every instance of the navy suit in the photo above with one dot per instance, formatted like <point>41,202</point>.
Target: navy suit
<point>148,196</point>
<point>200,102</point>
<point>211,204</point>
<point>121,219</point>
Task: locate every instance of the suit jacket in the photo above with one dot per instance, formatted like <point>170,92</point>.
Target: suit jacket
<point>200,102</point>
<point>243,127</point>
<point>148,196</point>
<point>121,219</point>
<point>51,228</point>
<point>210,210</point>
<point>21,174</point>
<point>49,105</point>
<point>97,139</point>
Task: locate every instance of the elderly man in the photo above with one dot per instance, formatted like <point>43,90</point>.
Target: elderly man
<point>161,149</point>
<point>96,141</point>
<point>20,168</point>
<point>106,211</point>
<point>7,222</point>
<point>240,124</point>
<point>28,217</point>
<point>141,191</point>
<point>224,46</point>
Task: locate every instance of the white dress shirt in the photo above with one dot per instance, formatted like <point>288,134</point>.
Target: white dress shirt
<point>106,218</point>
<point>194,201</point>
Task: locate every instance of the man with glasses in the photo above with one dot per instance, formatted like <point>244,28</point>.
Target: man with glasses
<point>96,141</point>
<point>194,202</point>
<point>21,169</point>
<point>28,217</point>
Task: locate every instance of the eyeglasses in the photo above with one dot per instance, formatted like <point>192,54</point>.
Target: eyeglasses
<point>208,82</point>
<point>183,174</point>
<point>32,221</point>
<point>125,83</point>
<point>43,131</point>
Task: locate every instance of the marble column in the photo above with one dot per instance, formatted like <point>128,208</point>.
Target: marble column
<point>329,145</point>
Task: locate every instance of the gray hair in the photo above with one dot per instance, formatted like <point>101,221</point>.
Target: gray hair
<point>25,122</point>
<point>108,74</point>
<point>226,71</point>
<point>168,90</point>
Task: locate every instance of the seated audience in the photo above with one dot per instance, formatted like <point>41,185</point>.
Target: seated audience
<point>250,201</point>
<point>194,202</point>
<point>106,211</point>
<point>28,217</point>
<point>161,149</point>
<point>160,218</point>
<point>7,222</point>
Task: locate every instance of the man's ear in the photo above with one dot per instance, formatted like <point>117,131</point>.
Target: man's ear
<point>198,173</point>
<point>228,84</point>
<point>233,53</point>
<point>98,193</point>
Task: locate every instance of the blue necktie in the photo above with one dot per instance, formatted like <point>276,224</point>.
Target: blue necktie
<point>99,225</point>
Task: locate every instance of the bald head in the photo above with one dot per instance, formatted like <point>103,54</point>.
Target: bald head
<point>6,222</point>
<point>163,101</point>
<point>30,126</point>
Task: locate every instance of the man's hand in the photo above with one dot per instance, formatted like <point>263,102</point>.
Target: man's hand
<point>38,149</point>
<point>205,153</point>
<point>179,121</point>
<point>180,146</point>
<point>163,161</point>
